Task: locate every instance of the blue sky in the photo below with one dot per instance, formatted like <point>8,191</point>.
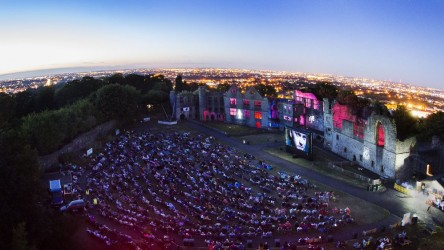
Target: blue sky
<point>398,40</point>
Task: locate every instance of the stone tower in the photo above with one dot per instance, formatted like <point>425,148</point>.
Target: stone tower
<point>202,102</point>
<point>173,97</point>
<point>328,124</point>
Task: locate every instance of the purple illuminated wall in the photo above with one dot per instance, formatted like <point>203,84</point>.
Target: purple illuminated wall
<point>307,99</point>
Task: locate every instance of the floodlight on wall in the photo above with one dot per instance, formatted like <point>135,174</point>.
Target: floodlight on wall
<point>311,118</point>
<point>428,172</point>
<point>239,114</point>
<point>366,153</point>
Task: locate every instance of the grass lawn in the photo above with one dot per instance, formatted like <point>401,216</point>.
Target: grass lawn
<point>234,129</point>
<point>319,164</point>
<point>263,138</point>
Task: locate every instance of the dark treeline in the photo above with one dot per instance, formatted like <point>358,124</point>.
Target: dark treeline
<point>39,121</point>
<point>59,113</point>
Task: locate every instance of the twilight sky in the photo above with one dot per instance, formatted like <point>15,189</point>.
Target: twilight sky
<point>398,40</point>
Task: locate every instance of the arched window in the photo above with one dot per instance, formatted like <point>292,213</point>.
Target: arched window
<point>380,134</point>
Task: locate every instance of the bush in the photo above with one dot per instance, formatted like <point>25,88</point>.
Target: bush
<point>49,130</point>
<point>117,102</point>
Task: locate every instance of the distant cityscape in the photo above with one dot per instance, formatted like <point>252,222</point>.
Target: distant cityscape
<point>421,101</point>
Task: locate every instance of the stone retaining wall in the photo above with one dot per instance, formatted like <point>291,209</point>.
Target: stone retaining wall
<point>80,142</point>
<point>349,173</point>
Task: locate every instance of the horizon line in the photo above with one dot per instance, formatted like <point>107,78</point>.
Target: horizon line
<point>86,69</point>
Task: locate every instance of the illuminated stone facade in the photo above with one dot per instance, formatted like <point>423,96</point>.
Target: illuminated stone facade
<point>185,105</point>
<point>365,138</point>
<point>305,110</point>
<point>249,108</point>
<point>370,141</point>
<point>202,104</point>
<point>211,105</point>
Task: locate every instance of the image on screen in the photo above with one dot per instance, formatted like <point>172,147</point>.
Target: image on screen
<point>298,141</point>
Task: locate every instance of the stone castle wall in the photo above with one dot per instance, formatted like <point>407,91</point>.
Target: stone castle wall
<point>387,160</point>
<point>252,95</point>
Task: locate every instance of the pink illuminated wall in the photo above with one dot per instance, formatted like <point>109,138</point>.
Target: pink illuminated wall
<point>301,120</point>
<point>306,98</point>
<point>380,135</point>
<point>341,112</point>
<point>207,116</point>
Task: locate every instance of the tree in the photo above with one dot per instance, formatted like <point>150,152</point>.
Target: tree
<point>76,90</point>
<point>19,187</point>
<point>164,86</point>
<point>84,113</point>
<point>266,90</point>
<point>26,218</point>
<point>44,98</point>
<point>406,124</point>
<point>223,87</point>
<point>48,130</point>
<point>19,237</point>
<point>44,131</point>
<point>137,81</point>
<point>358,106</point>
<point>431,126</point>
<point>193,86</point>
<point>347,97</point>
<point>179,84</point>
<point>7,108</point>
<point>325,90</point>
<point>117,102</point>
<point>380,108</point>
<point>25,102</point>
<point>116,79</point>
<point>156,97</point>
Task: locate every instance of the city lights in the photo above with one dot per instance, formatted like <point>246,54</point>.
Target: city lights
<point>421,101</point>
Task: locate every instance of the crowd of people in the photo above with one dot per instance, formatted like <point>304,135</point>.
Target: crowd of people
<point>162,186</point>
